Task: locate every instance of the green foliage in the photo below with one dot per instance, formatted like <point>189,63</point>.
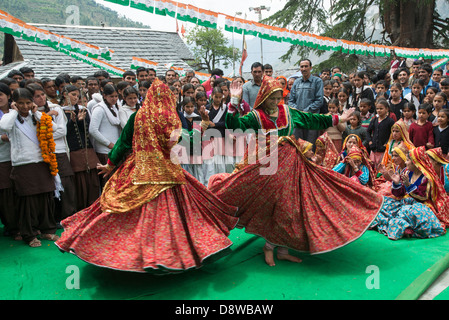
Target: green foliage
<point>210,48</point>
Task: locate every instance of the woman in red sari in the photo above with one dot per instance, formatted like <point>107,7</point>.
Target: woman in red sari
<point>152,216</point>
<point>296,204</point>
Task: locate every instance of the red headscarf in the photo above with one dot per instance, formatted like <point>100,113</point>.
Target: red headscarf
<point>150,169</point>
<point>268,87</point>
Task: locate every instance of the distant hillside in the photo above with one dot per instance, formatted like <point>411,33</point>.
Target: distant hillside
<point>54,12</point>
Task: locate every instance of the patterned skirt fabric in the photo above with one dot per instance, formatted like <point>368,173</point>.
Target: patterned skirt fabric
<point>174,232</point>
<point>407,217</point>
<point>300,205</point>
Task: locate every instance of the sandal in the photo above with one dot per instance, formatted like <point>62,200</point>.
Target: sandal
<point>18,237</point>
<point>48,236</point>
<point>34,243</point>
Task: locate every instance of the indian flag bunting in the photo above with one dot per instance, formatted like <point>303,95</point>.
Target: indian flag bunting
<point>206,18</point>
<point>145,5</point>
<point>20,29</point>
<point>440,63</point>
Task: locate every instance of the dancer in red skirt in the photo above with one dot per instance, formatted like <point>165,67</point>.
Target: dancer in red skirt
<point>298,205</point>
<point>152,215</point>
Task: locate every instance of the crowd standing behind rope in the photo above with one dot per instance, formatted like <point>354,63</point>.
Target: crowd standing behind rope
<point>87,115</point>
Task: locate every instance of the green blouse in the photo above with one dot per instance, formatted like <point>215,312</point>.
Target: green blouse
<point>288,119</point>
<point>125,141</point>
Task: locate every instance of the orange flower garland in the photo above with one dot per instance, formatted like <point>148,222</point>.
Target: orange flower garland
<point>47,143</point>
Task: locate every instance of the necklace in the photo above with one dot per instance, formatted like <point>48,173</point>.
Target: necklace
<point>271,111</point>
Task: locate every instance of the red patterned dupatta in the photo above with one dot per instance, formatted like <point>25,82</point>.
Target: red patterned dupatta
<point>438,195</point>
<point>301,205</point>
<point>268,86</point>
<point>326,151</point>
<point>149,170</point>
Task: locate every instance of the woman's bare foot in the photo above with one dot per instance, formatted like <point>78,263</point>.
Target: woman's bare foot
<point>283,256</point>
<point>269,256</point>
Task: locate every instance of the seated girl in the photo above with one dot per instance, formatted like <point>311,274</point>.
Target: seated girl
<point>421,209</point>
<point>399,135</point>
<point>441,166</point>
<point>398,157</point>
<point>351,141</point>
<point>355,166</point>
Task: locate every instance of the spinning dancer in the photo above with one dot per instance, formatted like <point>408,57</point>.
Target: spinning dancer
<point>152,215</point>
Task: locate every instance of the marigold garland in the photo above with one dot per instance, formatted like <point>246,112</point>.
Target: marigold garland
<point>47,143</point>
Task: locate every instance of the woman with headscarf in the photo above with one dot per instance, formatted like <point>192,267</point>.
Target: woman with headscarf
<point>399,135</point>
<point>285,93</point>
<point>441,165</point>
<point>152,215</point>
<point>351,141</point>
<point>422,210</point>
<point>284,198</point>
<point>399,158</point>
<point>356,167</point>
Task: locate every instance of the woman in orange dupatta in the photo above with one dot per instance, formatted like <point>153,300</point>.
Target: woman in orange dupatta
<point>152,216</point>
<point>399,135</point>
<point>286,199</point>
<point>285,93</point>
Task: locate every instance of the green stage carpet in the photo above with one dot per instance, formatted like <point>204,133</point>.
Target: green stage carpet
<point>371,268</point>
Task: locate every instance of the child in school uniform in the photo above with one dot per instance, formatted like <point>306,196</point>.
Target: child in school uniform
<point>105,126</point>
<point>213,150</point>
<point>416,97</point>
<point>355,127</point>
<point>439,102</point>
<point>366,116</point>
<point>33,179</point>
<point>441,131</point>
<point>8,197</point>
<point>130,105</point>
<point>65,201</point>
<point>83,158</point>
<point>409,114</point>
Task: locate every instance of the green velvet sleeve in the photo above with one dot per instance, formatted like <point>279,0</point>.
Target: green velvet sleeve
<point>310,121</point>
<point>248,121</point>
<point>124,143</point>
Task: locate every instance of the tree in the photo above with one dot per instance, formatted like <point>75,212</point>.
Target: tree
<point>210,48</point>
<point>403,23</point>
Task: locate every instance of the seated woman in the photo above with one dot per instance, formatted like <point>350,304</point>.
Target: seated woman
<point>399,157</point>
<point>399,135</point>
<point>326,154</point>
<point>441,166</point>
<point>356,167</point>
<point>351,141</point>
<point>421,210</point>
